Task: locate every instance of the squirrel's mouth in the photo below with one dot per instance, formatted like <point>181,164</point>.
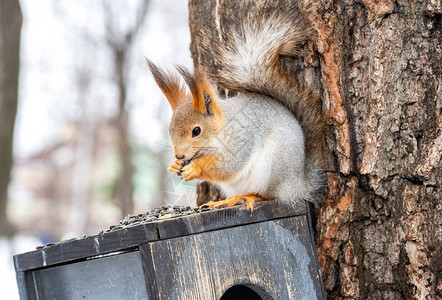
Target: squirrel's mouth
<point>188,161</point>
<point>195,156</point>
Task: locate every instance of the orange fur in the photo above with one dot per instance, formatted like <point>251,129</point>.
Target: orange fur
<point>203,168</point>
<point>249,199</point>
<point>202,96</point>
<point>169,84</point>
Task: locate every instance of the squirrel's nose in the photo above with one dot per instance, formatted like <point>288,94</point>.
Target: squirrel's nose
<point>179,156</point>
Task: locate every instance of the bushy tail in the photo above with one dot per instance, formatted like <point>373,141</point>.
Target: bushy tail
<point>247,52</point>
<point>316,180</point>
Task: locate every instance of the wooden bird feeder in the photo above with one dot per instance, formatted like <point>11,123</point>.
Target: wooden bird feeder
<point>219,254</point>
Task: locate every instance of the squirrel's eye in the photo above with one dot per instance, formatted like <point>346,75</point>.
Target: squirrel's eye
<point>196,131</point>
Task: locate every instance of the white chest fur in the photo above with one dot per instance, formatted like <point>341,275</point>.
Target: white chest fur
<point>254,177</point>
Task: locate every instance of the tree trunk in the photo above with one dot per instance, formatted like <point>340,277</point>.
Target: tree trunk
<point>377,66</point>
<point>10,26</point>
<point>84,157</point>
<point>125,188</point>
<point>120,43</point>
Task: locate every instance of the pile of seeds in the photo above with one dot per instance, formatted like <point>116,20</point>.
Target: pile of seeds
<point>163,212</point>
<point>160,213</point>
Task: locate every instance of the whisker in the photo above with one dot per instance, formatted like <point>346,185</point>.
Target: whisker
<point>203,147</point>
<point>165,154</point>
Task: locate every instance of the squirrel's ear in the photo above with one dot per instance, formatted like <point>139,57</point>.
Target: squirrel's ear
<point>168,83</point>
<point>202,96</point>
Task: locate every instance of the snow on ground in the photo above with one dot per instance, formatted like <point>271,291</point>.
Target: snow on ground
<point>8,248</point>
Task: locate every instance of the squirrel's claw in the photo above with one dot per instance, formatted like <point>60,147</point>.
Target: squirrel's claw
<point>250,204</point>
<point>225,203</point>
<point>249,199</point>
<point>191,171</point>
<point>176,166</point>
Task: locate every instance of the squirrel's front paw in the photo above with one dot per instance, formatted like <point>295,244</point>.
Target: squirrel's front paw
<point>191,171</point>
<point>176,166</point>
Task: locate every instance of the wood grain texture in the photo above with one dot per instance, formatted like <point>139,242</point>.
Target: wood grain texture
<point>225,218</point>
<point>82,248</point>
<point>199,256</point>
<point>277,256</point>
<point>115,277</point>
<point>133,236</point>
<point>26,286</point>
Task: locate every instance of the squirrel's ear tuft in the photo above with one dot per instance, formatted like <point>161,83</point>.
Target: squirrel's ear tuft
<point>202,96</point>
<point>168,83</point>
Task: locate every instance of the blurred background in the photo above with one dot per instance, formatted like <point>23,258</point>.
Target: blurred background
<point>90,137</point>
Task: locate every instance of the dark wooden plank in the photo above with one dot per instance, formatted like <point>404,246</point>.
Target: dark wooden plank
<point>147,232</point>
<point>275,255</point>
<point>26,287</point>
<point>83,248</point>
<point>314,251</point>
<point>225,218</point>
<point>115,277</point>
<point>149,271</point>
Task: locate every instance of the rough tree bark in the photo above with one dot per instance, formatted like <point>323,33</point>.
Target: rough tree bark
<point>377,65</point>
<point>11,20</point>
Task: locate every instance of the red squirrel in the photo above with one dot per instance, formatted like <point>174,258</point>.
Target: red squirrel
<point>265,143</point>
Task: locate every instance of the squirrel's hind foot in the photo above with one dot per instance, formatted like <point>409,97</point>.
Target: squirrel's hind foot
<point>249,200</point>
